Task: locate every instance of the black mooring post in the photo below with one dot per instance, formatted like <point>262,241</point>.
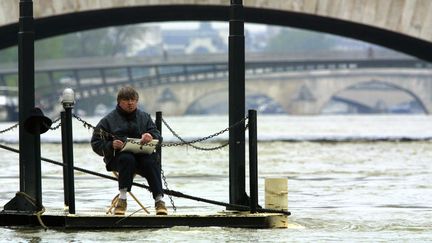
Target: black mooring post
<point>26,92</point>
<point>29,144</point>
<point>159,127</point>
<point>68,101</point>
<point>65,158</point>
<point>37,168</point>
<point>253,160</point>
<point>236,89</point>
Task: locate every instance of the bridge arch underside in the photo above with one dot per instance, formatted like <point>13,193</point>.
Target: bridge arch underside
<point>216,102</point>
<point>86,20</point>
<point>375,96</point>
<point>202,98</point>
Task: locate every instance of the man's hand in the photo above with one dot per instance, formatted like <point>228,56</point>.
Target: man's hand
<point>117,144</point>
<point>146,137</point>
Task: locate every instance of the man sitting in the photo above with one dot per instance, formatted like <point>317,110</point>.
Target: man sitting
<point>109,137</point>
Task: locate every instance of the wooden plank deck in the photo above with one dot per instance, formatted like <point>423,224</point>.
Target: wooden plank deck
<point>91,220</point>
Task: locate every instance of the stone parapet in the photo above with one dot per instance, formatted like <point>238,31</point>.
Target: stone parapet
<point>410,17</point>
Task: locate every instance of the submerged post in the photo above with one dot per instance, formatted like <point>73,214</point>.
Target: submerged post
<point>236,88</point>
<point>253,160</point>
<point>68,101</point>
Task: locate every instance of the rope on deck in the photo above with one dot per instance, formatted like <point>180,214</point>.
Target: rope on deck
<point>38,214</point>
<point>169,192</point>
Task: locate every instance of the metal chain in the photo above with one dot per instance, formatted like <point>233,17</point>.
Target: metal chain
<point>17,124</point>
<point>85,124</point>
<point>183,142</point>
<point>190,143</point>
<point>58,125</point>
<point>10,128</point>
<point>166,185</point>
<point>88,125</point>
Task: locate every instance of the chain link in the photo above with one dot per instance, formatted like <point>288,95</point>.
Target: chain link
<point>166,186</point>
<point>17,124</point>
<point>191,143</point>
<point>10,128</point>
<point>58,125</point>
<point>85,124</point>
<point>183,141</point>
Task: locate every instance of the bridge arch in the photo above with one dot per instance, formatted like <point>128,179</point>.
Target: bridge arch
<point>257,100</point>
<point>91,19</point>
<point>386,83</point>
<point>211,100</point>
<point>307,92</point>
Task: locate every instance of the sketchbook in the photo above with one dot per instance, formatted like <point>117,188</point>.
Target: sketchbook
<point>133,145</point>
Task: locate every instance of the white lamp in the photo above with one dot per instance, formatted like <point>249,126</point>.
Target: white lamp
<point>68,98</point>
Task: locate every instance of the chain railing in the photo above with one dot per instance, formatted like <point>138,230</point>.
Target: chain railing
<point>169,192</point>
<point>182,142</point>
<point>17,124</point>
<point>57,126</point>
<point>9,128</point>
<point>166,185</point>
<point>191,143</point>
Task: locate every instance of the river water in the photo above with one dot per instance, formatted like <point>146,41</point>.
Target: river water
<point>350,179</point>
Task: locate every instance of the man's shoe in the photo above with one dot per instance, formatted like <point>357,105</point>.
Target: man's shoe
<point>120,208</point>
<point>160,208</point>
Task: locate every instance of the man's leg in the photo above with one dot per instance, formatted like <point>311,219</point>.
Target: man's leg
<point>150,169</point>
<point>125,165</point>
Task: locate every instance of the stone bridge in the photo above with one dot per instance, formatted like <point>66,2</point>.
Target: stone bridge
<point>301,93</point>
<point>299,85</point>
<point>403,25</point>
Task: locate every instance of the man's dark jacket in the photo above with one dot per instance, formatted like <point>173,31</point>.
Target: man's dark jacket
<point>122,125</point>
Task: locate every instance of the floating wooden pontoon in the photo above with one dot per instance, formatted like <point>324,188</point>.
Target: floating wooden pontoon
<point>104,221</point>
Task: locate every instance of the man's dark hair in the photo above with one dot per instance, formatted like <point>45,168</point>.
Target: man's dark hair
<point>127,93</point>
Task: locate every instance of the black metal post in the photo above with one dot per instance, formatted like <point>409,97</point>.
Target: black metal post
<point>37,167</point>
<point>67,147</point>
<point>29,144</point>
<point>65,158</point>
<point>236,65</point>
<point>253,160</point>
<point>26,94</point>
<point>159,127</point>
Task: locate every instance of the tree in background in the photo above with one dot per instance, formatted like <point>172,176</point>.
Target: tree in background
<point>9,55</point>
<point>111,41</point>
